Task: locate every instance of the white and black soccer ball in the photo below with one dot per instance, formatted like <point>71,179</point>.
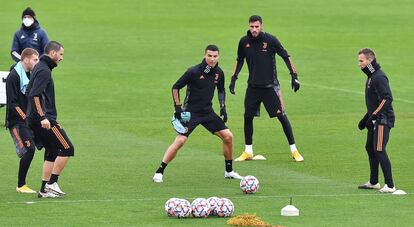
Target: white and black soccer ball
<point>225,208</point>
<point>170,206</point>
<point>213,201</point>
<point>249,184</point>
<point>182,209</point>
<point>200,208</point>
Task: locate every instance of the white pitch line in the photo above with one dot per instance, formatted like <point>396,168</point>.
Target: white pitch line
<point>232,197</point>
<point>339,89</point>
<point>353,92</point>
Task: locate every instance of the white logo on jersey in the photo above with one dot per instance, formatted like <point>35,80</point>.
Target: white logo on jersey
<point>22,37</point>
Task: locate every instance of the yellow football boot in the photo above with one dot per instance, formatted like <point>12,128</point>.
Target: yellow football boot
<point>244,157</point>
<point>25,189</point>
<point>298,158</point>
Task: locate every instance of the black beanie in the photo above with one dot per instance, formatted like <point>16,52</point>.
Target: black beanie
<point>28,11</point>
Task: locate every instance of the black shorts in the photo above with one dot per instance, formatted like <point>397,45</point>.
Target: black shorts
<point>271,98</point>
<point>54,140</point>
<point>23,139</point>
<point>211,121</point>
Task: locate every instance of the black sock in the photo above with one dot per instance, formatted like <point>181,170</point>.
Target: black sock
<point>24,165</point>
<point>229,165</point>
<point>161,168</point>
<point>53,178</point>
<point>42,188</point>
<point>287,128</point>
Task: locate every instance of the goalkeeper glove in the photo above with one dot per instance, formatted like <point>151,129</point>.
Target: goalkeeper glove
<point>232,85</point>
<point>295,82</point>
<point>178,112</point>
<point>223,113</point>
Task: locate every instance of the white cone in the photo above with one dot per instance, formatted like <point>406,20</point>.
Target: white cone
<point>289,210</point>
<point>399,192</point>
<point>259,157</point>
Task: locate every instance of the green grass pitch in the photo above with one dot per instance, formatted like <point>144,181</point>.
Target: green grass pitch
<point>113,96</point>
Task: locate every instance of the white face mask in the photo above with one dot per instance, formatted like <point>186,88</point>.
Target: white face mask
<point>28,22</point>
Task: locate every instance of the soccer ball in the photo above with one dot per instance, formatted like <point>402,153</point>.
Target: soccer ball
<point>200,208</point>
<point>249,184</point>
<point>213,201</point>
<point>183,209</point>
<point>170,206</point>
<point>225,208</point>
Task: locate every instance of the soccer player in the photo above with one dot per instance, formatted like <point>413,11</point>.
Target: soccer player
<point>259,49</point>
<point>42,118</point>
<point>378,120</point>
<point>16,84</point>
<point>29,35</point>
<point>201,81</point>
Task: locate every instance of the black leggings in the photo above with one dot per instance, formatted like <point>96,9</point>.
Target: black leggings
<point>377,139</point>
<point>287,129</point>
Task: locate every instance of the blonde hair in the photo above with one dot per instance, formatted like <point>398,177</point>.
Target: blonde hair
<point>28,52</point>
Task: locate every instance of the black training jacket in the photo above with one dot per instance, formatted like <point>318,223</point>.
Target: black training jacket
<point>16,100</point>
<point>378,96</point>
<point>259,53</point>
<point>201,81</point>
<point>41,92</point>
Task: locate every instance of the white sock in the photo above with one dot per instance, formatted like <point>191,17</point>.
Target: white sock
<point>249,149</point>
<point>293,148</point>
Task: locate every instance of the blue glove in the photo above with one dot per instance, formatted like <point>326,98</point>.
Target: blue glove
<point>185,117</point>
<point>178,123</point>
<point>178,126</point>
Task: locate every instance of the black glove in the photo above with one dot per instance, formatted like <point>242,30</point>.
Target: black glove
<point>295,82</point>
<point>232,84</point>
<point>363,122</point>
<point>178,112</point>
<point>223,113</point>
<point>369,124</point>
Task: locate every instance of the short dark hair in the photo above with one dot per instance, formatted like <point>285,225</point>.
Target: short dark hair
<point>255,18</point>
<point>52,45</point>
<point>212,47</point>
<point>28,52</point>
<point>368,52</point>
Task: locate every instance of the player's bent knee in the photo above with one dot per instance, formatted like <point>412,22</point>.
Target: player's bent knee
<point>280,114</point>
<point>227,136</point>
<point>67,152</point>
<point>180,140</point>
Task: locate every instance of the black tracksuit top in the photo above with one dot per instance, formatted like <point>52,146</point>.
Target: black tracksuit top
<point>378,97</point>
<point>41,92</point>
<point>16,100</point>
<point>201,81</point>
<point>260,57</point>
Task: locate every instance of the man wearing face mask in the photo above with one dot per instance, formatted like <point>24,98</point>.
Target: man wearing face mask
<point>30,35</point>
<point>42,118</point>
